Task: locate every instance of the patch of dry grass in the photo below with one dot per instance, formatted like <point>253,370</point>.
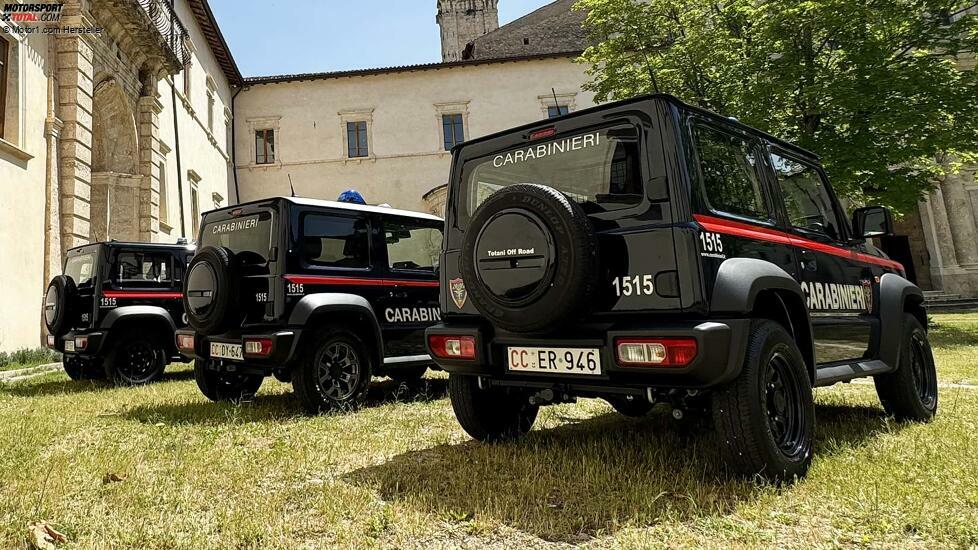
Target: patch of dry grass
<point>401,473</point>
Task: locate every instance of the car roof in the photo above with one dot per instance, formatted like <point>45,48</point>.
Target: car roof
<point>668,98</point>
<point>320,203</point>
<point>138,245</point>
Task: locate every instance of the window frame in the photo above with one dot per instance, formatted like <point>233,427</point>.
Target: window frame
<point>306,264</point>
<point>350,145</point>
<point>558,107</point>
<point>755,145</point>
<point>264,132</point>
<point>843,221</point>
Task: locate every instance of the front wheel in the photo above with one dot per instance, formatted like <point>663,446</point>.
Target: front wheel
<point>225,386</point>
<point>135,359</point>
<point>334,371</point>
<point>490,415</point>
<point>765,418</point>
<point>910,392</point>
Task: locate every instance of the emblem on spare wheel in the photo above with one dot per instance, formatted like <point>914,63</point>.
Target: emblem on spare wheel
<point>868,294</point>
<point>457,288</point>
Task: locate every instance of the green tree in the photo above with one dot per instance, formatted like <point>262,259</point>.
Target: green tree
<point>875,87</point>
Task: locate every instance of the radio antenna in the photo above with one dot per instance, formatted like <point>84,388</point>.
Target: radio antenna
<point>556,103</point>
<point>290,184</point>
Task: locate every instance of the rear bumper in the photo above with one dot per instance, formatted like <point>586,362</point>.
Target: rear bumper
<point>70,343</point>
<point>721,347</point>
<point>284,349</point>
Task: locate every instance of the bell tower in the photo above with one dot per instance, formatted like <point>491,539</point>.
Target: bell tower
<point>462,21</point>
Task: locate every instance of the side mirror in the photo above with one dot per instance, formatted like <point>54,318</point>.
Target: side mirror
<point>872,221</point>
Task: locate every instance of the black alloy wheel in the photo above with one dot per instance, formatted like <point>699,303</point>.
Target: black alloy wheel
<point>785,408</point>
<point>334,371</point>
<point>135,359</point>
<point>910,392</point>
<point>339,370</point>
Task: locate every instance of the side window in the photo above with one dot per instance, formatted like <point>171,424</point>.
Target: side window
<point>336,241</point>
<point>142,269</point>
<point>728,166</point>
<point>806,197</point>
<point>412,247</point>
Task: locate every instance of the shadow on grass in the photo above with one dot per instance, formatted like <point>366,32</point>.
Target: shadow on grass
<point>945,334</point>
<point>590,478</point>
<point>280,406</point>
<point>58,383</point>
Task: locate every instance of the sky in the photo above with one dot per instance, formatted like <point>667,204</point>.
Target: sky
<point>270,37</point>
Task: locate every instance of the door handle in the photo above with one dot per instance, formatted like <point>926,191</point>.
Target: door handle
<point>808,261</point>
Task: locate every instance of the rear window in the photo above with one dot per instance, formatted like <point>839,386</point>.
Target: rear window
<point>336,241</point>
<point>249,237</point>
<point>600,170</point>
<point>80,268</point>
<point>728,169</point>
<point>144,269</point>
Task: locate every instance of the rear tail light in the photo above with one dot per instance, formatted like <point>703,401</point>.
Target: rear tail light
<point>50,339</point>
<point>655,352</point>
<point>258,346</point>
<point>185,342</point>
<point>452,347</point>
<point>81,342</point>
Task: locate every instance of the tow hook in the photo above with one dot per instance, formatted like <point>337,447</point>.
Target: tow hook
<point>547,396</point>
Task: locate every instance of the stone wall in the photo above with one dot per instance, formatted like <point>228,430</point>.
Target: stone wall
<point>462,21</point>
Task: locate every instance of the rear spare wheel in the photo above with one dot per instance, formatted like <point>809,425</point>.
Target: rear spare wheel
<point>60,305</point>
<point>210,292</point>
<point>530,259</point>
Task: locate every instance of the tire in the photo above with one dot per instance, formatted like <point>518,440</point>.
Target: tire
<point>225,386</point>
<point>491,415</point>
<point>211,290</point>
<point>60,305</point>
<point>407,375</point>
<point>283,375</point>
<point>910,392</point>
<point>136,358</point>
<point>79,369</point>
<point>333,372</point>
<point>530,292</point>
<point>765,418</point>
<point>634,407</point>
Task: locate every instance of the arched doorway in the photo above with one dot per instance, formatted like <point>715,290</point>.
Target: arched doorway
<point>116,180</point>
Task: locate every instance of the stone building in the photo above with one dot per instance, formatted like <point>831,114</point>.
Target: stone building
<point>387,131</point>
<point>116,130</point>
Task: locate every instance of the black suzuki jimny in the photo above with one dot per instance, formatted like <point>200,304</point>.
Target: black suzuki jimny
<point>322,293</point>
<point>113,311</point>
<point>650,252</point>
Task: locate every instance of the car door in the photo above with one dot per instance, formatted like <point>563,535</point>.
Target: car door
<point>411,248</point>
<point>837,286</point>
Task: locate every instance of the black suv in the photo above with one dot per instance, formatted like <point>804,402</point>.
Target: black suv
<point>321,293</point>
<point>647,251</point>
<point>114,309</point>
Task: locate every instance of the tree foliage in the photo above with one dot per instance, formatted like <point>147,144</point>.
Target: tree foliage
<point>875,87</point>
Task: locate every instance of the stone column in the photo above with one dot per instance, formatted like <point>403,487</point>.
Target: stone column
<point>52,195</point>
<point>75,101</point>
<point>962,221</point>
<point>148,119</point>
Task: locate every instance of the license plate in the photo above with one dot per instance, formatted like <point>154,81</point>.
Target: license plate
<point>70,346</point>
<point>226,351</point>
<point>585,361</point>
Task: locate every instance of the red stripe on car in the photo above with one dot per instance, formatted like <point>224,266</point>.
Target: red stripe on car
<point>354,281</point>
<point>141,295</point>
<point>739,229</point>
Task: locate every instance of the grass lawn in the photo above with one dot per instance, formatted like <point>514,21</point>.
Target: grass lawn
<point>401,473</point>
